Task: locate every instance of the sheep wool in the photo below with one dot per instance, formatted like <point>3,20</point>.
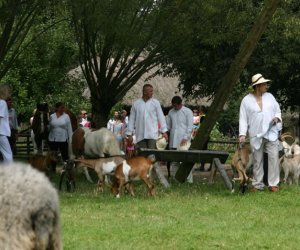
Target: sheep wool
<point>29,209</point>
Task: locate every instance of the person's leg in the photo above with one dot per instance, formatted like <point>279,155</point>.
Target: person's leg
<point>142,144</point>
<point>151,144</point>
<point>63,147</point>
<point>5,149</point>
<point>258,170</point>
<point>273,163</point>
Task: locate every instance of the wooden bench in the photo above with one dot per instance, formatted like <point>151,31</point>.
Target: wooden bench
<point>188,158</point>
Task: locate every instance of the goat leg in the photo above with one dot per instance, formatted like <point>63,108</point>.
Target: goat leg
<point>61,178</point>
<point>87,175</point>
<point>149,185</point>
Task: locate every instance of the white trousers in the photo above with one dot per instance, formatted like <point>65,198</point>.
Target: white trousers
<point>174,168</point>
<point>5,149</point>
<point>271,148</point>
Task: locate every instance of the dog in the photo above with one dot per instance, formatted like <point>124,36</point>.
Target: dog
<point>241,162</point>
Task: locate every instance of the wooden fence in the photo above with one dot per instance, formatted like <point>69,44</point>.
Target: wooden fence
<point>24,146</point>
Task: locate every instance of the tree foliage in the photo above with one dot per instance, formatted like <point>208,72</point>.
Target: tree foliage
<point>16,19</point>
<point>40,72</point>
<point>119,41</point>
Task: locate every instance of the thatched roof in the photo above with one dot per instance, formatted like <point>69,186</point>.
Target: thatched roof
<point>164,89</point>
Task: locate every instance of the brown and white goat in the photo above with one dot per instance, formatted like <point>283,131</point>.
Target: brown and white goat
<point>136,168</point>
<point>290,161</point>
<point>102,166</point>
<point>44,163</point>
<point>241,161</point>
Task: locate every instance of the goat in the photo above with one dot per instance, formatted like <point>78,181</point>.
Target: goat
<point>90,143</point>
<point>241,161</point>
<point>29,209</point>
<point>69,170</point>
<point>102,166</point>
<point>290,161</point>
<point>44,163</point>
<point>136,168</point>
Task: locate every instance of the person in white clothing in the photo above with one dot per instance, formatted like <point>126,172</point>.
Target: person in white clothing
<point>111,122</point>
<point>13,124</point>
<point>147,120</point>
<point>180,126</point>
<point>5,149</point>
<point>60,131</point>
<point>260,116</point>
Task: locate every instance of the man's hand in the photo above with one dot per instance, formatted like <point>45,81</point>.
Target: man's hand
<point>165,134</point>
<point>275,120</point>
<point>242,139</point>
<point>183,142</point>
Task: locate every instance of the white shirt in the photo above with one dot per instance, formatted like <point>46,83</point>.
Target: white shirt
<point>144,119</point>
<point>180,125</point>
<point>258,122</point>
<point>110,125</point>
<point>4,119</point>
<point>60,129</point>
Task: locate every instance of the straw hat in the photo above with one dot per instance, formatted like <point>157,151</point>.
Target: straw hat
<point>258,79</point>
<point>184,147</point>
<point>161,143</point>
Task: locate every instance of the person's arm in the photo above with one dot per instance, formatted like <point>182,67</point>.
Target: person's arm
<point>190,125</point>
<point>162,121</point>
<point>169,121</point>
<point>69,128</point>
<point>243,122</point>
<point>131,121</point>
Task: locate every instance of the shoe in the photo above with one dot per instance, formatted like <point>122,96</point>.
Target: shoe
<point>274,189</point>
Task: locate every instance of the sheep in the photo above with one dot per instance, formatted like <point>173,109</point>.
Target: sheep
<point>102,166</point>
<point>136,168</point>
<point>241,161</point>
<point>29,209</point>
<point>93,144</point>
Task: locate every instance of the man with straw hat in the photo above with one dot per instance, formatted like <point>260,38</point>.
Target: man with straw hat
<point>180,125</point>
<point>260,116</point>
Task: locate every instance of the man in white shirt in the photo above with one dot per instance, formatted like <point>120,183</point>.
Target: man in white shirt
<point>5,93</point>
<point>260,116</point>
<point>13,124</point>
<point>180,124</point>
<point>147,120</point>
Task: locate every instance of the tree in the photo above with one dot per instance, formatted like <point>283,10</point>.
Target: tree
<point>119,41</point>
<point>40,72</point>
<point>16,19</point>
<point>229,81</point>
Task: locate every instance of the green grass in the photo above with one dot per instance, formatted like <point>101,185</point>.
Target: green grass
<point>187,216</point>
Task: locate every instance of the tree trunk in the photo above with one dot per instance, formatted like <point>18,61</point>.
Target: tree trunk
<point>229,81</point>
<point>100,113</point>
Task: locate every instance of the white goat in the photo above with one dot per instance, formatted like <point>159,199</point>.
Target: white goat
<point>29,209</point>
<point>102,166</point>
<point>94,144</point>
<point>290,161</point>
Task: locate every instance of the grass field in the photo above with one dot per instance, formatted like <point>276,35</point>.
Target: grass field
<point>186,216</point>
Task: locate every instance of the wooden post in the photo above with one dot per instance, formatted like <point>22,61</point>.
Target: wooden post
<point>217,165</point>
<point>160,175</point>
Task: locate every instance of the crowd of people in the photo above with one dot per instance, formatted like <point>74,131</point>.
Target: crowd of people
<point>260,117</point>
